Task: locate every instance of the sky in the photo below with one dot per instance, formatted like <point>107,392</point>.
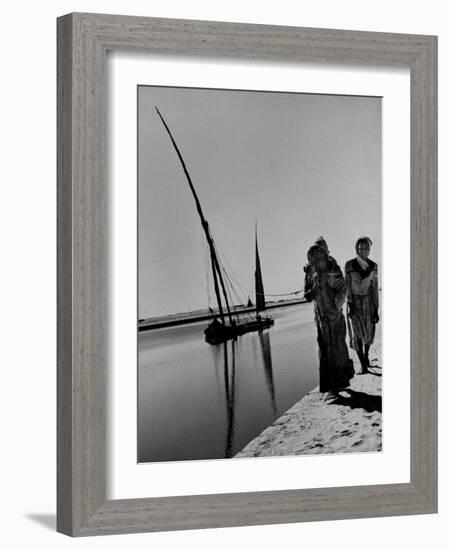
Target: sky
<point>302,165</point>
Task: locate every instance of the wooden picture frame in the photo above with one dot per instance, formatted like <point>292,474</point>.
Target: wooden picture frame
<point>83,40</point>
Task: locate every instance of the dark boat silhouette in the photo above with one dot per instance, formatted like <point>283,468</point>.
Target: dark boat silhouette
<point>226,324</point>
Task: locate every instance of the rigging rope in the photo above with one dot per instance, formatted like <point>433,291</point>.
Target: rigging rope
<point>294,292</point>
<point>245,314</point>
<point>229,286</point>
<point>232,291</point>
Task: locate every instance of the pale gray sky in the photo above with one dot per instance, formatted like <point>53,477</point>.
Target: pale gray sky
<point>304,165</point>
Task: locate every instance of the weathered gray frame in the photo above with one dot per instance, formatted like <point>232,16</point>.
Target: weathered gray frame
<point>83,40</point>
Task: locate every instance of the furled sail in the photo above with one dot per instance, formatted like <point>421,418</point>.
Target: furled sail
<point>260,294</point>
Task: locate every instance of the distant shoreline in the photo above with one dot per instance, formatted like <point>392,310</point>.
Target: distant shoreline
<point>203,315</point>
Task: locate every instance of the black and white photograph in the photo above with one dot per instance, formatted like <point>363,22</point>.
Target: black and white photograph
<point>220,307</point>
<point>259,274</point>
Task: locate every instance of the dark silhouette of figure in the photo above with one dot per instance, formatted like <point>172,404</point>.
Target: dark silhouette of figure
<point>363,301</point>
<point>325,285</point>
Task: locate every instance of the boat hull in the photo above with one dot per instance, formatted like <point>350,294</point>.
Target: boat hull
<point>217,333</point>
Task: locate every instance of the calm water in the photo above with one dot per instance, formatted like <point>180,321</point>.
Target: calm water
<point>198,401</point>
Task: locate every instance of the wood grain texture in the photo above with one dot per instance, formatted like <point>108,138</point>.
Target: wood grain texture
<point>83,40</point>
<point>424,276</point>
<point>64,277</point>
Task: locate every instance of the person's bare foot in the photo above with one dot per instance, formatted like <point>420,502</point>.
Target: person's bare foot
<point>331,395</point>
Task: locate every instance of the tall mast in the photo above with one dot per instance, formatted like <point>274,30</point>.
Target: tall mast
<point>260,294</point>
<point>216,270</point>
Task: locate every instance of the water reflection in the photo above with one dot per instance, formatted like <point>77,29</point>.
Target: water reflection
<point>198,401</point>
<point>228,349</point>
<point>265,345</point>
<point>229,379</point>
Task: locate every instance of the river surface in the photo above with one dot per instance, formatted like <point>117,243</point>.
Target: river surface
<point>197,401</point>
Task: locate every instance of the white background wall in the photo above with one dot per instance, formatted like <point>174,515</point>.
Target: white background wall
<point>28,240</point>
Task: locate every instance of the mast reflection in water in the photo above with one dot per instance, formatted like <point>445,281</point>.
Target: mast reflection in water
<point>229,377</point>
<point>265,346</point>
<point>205,402</point>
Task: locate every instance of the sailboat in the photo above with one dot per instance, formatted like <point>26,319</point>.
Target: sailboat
<point>225,324</point>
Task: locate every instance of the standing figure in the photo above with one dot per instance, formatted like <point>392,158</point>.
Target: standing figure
<point>325,285</point>
<point>363,300</point>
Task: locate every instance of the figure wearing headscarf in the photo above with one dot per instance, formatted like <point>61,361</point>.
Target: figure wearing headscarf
<point>363,300</point>
<point>324,284</point>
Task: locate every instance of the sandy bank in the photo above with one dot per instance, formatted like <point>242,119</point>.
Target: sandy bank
<point>352,422</point>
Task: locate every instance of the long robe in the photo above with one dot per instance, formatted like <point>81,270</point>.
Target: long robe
<point>363,302</point>
<point>336,368</point>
